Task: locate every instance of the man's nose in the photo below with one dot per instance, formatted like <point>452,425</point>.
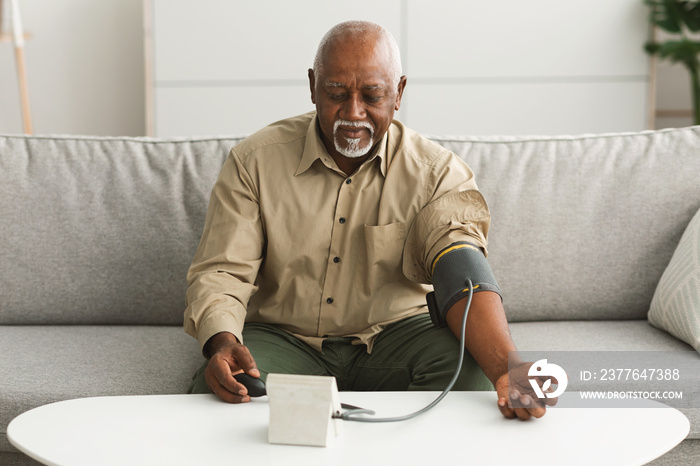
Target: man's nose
<point>353,110</point>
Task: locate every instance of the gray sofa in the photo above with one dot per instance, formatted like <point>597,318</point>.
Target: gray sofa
<point>96,235</point>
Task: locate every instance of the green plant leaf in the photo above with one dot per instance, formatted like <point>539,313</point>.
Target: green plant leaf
<point>683,51</point>
<point>690,12</point>
<point>664,15</point>
<point>652,48</point>
<point>674,10</point>
<point>671,15</point>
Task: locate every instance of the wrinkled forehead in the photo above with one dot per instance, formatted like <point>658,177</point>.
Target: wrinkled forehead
<point>365,56</point>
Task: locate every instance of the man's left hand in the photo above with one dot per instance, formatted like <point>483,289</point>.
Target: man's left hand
<point>516,398</point>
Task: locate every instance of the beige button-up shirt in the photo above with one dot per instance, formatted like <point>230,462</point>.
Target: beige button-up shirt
<point>290,240</point>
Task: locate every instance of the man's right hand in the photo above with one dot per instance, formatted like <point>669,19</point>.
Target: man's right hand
<point>228,357</point>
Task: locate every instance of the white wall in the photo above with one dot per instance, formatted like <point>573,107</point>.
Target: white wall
<point>85,65</point>
<point>85,68</point>
<point>480,67</point>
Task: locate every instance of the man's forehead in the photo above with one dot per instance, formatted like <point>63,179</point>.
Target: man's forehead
<point>368,57</point>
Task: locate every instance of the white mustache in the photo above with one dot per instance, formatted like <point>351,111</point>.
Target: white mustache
<point>354,124</point>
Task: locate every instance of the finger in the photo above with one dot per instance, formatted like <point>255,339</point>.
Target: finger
<point>502,403</point>
<point>535,406</point>
<point>537,410</point>
<point>225,395</point>
<point>516,399</point>
<point>245,360</point>
<point>522,413</point>
<point>505,409</point>
<point>536,401</point>
<point>222,371</point>
<point>529,409</point>
<point>220,380</point>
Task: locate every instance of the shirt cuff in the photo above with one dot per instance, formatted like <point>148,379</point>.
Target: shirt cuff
<point>219,321</point>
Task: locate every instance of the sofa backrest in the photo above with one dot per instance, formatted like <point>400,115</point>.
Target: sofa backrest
<point>583,227</point>
<point>101,230</point>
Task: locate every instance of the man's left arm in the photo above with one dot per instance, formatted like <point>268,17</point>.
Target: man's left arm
<point>453,224</point>
<point>488,341</point>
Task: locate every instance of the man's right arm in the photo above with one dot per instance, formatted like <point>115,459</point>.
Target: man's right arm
<point>222,277</point>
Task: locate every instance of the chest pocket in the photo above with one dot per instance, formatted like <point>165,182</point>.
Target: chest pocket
<point>380,257</point>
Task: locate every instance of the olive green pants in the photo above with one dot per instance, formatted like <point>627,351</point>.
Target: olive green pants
<point>408,355</point>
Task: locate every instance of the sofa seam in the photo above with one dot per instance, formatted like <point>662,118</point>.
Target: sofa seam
<point>139,139</point>
<point>558,138</point>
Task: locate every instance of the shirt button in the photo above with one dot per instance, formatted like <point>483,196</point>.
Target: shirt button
<point>329,300</point>
<point>341,219</point>
<point>336,259</point>
<point>348,181</point>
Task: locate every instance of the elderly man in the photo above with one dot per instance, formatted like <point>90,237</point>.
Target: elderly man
<point>322,233</point>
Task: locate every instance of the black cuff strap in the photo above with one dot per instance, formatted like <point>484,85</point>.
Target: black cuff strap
<point>451,268</point>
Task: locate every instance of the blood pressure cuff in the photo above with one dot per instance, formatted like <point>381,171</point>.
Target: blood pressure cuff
<point>450,269</point>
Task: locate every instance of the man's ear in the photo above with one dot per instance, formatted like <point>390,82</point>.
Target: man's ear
<point>399,91</point>
<point>312,85</point>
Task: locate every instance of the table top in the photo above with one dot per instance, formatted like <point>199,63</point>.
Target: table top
<point>200,429</point>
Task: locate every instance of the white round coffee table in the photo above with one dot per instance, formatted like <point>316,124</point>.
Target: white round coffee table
<point>465,427</point>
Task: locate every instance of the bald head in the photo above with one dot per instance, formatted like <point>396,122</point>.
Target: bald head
<point>362,32</point>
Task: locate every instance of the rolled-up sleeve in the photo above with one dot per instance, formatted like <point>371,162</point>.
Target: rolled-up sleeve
<point>457,211</point>
<point>222,276</point>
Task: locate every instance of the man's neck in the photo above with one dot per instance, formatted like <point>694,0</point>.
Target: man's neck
<point>349,165</point>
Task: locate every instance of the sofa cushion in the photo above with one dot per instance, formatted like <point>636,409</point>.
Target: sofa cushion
<point>44,364</point>
<point>601,335</point>
<point>101,230</point>
<point>676,303</point>
<point>584,226</point>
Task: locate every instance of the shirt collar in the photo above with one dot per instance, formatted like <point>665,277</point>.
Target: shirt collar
<point>314,149</point>
<point>382,152</point>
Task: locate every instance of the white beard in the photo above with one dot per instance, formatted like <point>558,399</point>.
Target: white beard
<point>353,149</point>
